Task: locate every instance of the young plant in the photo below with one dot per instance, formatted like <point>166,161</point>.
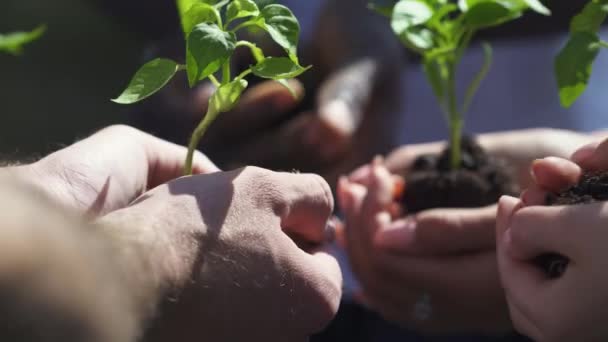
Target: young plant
<point>440,31</point>
<point>574,63</point>
<point>210,28</point>
<point>13,43</point>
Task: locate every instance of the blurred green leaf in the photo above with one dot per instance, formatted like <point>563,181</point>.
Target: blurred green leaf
<point>13,43</point>
<point>574,64</point>
<point>277,68</point>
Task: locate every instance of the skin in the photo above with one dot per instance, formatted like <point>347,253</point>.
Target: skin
<point>190,254</point>
<point>571,306</point>
<point>448,254</point>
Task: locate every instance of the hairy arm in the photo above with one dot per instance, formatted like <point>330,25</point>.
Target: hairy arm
<point>62,279</point>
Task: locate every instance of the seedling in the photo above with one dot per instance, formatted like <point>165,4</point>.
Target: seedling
<point>440,31</point>
<point>13,43</point>
<point>574,63</point>
<point>210,28</point>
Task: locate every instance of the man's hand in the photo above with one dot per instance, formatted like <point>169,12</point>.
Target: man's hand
<point>240,255</point>
<point>108,170</point>
<point>444,255</point>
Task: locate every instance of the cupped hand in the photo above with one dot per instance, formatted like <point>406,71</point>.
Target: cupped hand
<point>109,169</point>
<point>568,307</point>
<point>243,252</point>
<point>445,255</point>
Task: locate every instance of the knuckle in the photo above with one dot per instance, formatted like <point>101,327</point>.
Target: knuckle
<point>120,130</point>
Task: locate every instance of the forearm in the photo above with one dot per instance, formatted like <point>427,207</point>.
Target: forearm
<point>58,278</point>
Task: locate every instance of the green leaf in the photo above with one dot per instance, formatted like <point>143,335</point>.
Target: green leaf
<point>208,49</point>
<point>227,96</point>
<point>481,75</point>
<point>573,66</point>
<point>538,7</point>
<point>13,42</point>
<point>418,39</point>
<point>184,5</point>
<point>409,13</point>
<point>285,84</point>
<point>197,14</point>
<point>149,79</point>
<point>433,74</point>
<point>283,28</point>
<point>277,68</point>
<point>590,19</point>
<point>482,14</point>
<point>242,9</point>
<point>264,3</point>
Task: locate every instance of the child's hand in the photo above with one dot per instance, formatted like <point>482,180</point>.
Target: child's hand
<point>573,306</point>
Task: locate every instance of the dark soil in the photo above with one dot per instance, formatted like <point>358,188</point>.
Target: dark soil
<point>592,187</point>
<point>480,181</point>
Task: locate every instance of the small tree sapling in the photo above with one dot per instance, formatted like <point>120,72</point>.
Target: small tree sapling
<point>210,28</point>
<point>440,31</point>
<point>13,43</point>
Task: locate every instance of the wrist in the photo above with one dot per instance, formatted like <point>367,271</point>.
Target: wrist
<point>153,265</point>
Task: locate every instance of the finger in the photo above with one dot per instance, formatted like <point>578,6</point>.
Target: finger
<point>166,161</point>
<point>379,196</point>
<point>350,198</point>
<point>555,174</point>
<point>306,203</point>
<point>533,196</point>
<point>343,97</point>
<point>441,231</point>
<point>593,161</point>
<point>584,153</point>
<point>539,230</point>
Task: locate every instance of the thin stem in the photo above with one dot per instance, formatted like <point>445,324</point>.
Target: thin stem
<point>215,82</point>
<point>454,118</point>
<point>257,53</point>
<point>243,25</point>
<point>226,72</point>
<point>198,134</point>
<point>244,73</point>
<point>603,44</point>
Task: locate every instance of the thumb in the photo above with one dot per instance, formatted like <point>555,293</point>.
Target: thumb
<point>507,207</point>
<point>441,231</point>
<point>344,96</point>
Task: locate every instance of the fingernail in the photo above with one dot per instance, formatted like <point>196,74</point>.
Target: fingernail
<point>533,169</point>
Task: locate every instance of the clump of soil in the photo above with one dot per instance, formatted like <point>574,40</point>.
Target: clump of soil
<point>591,188</point>
<point>481,180</point>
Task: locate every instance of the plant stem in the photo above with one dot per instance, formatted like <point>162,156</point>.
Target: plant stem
<point>455,121</point>
<point>198,134</point>
<point>226,72</point>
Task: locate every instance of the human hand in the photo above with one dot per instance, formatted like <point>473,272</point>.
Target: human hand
<point>542,306</point>
<point>445,254</point>
<point>108,170</point>
<point>225,244</point>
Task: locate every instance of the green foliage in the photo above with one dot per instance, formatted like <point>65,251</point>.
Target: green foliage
<point>210,30</point>
<point>148,80</point>
<point>574,64</point>
<point>440,31</point>
<point>13,43</point>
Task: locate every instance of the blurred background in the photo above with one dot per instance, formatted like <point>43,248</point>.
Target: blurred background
<point>60,88</point>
